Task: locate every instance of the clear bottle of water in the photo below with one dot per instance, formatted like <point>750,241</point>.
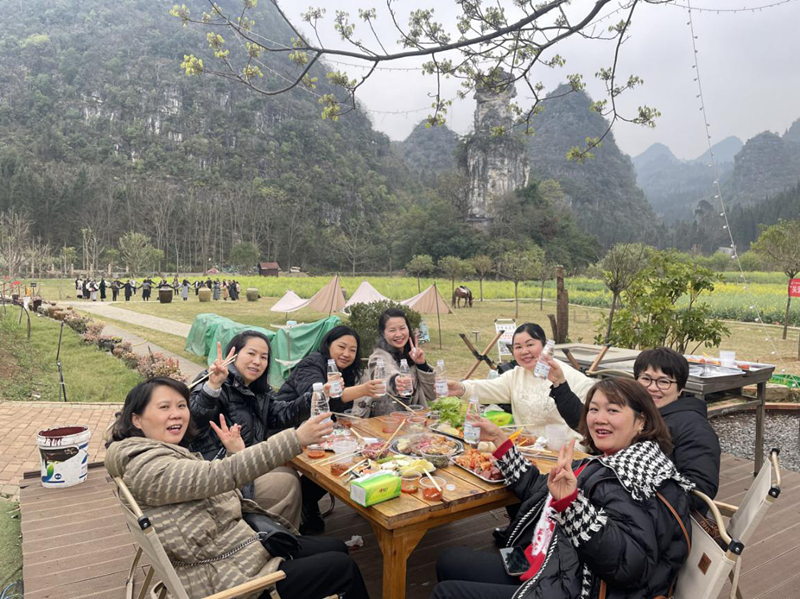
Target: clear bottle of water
<point>380,374</point>
<point>335,379</point>
<point>406,389</point>
<point>472,434</point>
<point>440,384</point>
<point>543,368</point>
<point>319,401</point>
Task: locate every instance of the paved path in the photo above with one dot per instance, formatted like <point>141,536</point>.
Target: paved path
<point>108,310</point>
<point>21,420</point>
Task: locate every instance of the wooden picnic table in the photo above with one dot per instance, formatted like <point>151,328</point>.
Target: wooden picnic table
<point>400,523</point>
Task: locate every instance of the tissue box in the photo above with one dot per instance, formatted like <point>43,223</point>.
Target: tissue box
<point>500,418</point>
<point>370,490</point>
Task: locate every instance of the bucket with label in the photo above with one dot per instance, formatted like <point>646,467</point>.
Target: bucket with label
<point>65,458</point>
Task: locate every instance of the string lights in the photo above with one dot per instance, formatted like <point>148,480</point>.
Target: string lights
<point>718,189</point>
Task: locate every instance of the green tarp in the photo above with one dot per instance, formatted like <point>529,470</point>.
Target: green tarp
<point>209,329</point>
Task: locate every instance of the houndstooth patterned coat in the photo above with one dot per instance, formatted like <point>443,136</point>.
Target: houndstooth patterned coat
<point>195,507</point>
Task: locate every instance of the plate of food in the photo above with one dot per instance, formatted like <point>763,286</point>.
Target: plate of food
<point>481,464</point>
<point>403,465</point>
<point>445,428</point>
<point>426,445</point>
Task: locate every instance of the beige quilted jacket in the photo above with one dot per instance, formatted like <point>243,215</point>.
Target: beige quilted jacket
<point>195,507</point>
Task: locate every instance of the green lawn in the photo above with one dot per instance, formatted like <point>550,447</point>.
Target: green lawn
<point>10,550</point>
<point>28,368</point>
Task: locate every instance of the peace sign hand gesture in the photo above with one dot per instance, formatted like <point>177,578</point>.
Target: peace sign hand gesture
<point>416,353</point>
<point>218,371</point>
<point>561,481</point>
<point>231,438</point>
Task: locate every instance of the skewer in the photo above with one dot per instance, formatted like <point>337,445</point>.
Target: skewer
<point>227,362</point>
<point>348,416</point>
<point>356,433</point>
<point>433,480</point>
<point>405,405</point>
<point>335,457</point>
<point>354,467</point>
<point>394,434</point>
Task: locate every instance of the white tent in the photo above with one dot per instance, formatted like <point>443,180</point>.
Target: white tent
<point>289,302</point>
<point>429,301</point>
<point>365,294</point>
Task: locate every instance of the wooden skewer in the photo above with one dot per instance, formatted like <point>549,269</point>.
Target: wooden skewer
<point>348,416</point>
<point>337,456</point>
<point>356,433</point>
<point>394,434</point>
<point>354,467</point>
<point>227,362</point>
<point>405,405</point>
<point>433,480</point>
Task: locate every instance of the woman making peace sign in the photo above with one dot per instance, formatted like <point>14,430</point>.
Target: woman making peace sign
<point>395,344</point>
<point>612,526</point>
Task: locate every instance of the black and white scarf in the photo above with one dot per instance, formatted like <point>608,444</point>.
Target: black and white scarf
<point>641,469</point>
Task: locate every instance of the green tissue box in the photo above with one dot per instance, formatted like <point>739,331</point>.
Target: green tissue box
<point>370,490</point>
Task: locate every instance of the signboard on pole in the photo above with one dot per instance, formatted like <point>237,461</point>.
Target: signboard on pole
<point>794,288</point>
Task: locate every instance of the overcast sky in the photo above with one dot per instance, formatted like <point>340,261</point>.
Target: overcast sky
<point>749,66</point>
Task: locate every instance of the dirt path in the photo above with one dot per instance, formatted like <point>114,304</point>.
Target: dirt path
<point>108,310</point>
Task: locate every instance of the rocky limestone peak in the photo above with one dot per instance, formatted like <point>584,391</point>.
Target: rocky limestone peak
<point>493,97</point>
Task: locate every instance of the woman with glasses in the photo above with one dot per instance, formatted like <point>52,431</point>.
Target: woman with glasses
<point>663,372</point>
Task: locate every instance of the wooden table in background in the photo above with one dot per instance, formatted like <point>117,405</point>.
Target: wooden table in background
<point>400,523</point>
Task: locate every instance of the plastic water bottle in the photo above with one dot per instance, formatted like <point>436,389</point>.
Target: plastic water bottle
<point>405,374</point>
<point>472,434</point>
<point>319,401</point>
<point>380,374</point>
<point>543,368</point>
<point>440,384</point>
<point>335,379</point>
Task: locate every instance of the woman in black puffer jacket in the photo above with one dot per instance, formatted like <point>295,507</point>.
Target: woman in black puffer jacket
<point>240,395</point>
<point>613,526</point>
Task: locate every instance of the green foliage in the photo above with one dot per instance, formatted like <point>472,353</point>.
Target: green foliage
<point>652,316</point>
<point>455,268</point>
<point>137,252</point>
<point>363,319</point>
<point>780,244</point>
<point>244,255</point>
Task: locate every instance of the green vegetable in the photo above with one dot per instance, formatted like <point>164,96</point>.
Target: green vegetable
<point>452,410</point>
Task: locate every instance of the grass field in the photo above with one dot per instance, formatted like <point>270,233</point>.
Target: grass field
<point>10,550</point>
<point>28,369</point>
<point>732,299</point>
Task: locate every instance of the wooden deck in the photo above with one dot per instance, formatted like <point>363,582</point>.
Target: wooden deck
<point>76,546</point>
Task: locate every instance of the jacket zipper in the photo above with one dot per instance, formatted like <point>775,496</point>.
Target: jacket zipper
<point>522,525</point>
<point>526,585</point>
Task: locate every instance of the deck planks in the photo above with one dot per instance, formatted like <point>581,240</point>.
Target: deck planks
<point>76,545</point>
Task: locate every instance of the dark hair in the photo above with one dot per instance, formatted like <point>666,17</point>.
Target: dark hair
<point>534,330</point>
<point>667,361</point>
<point>399,354</point>
<point>627,392</point>
<point>135,403</point>
<point>261,384</point>
<point>352,373</point>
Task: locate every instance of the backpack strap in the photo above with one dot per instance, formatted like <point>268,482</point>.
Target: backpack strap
<point>685,534</point>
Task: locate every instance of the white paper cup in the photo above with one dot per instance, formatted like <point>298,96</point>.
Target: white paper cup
<point>727,359</point>
<point>556,436</point>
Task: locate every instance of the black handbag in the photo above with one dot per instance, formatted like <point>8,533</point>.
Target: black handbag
<point>275,538</point>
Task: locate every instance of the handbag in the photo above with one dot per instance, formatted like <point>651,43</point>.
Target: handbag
<point>275,538</point>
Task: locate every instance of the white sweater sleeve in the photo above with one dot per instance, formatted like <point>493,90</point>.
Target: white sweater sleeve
<point>490,391</point>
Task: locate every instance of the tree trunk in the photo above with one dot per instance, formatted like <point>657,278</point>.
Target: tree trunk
<point>562,306</point>
<point>516,300</point>
<point>419,289</point>
<point>611,315</point>
<point>786,316</point>
<point>541,297</point>
<point>481,284</point>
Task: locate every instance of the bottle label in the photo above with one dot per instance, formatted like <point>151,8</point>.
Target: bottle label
<point>441,388</point>
<point>472,434</point>
<point>336,385</point>
<point>542,370</point>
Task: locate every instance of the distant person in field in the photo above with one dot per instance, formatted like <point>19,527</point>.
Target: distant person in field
<point>115,287</point>
<point>103,286</point>
<point>128,289</point>
<point>185,290</point>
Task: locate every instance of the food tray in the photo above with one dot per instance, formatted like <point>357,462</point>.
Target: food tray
<point>502,481</point>
<point>459,445</point>
<point>435,428</point>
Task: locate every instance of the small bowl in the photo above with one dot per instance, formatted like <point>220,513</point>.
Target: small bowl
<point>429,491</point>
<point>440,461</point>
<point>416,424</point>
<point>344,446</point>
<point>403,415</point>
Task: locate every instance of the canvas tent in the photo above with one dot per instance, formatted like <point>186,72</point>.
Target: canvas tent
<point>328,299</point>
<point>365,294</point>
<point>428,302</point>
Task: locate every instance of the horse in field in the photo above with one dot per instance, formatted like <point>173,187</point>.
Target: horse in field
<point>460,293</point>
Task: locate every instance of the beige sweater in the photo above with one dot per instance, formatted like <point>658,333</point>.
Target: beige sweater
<point>529,396</point>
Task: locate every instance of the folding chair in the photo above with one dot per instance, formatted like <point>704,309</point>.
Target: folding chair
<point>145,536</point>
<point>746,518</point>
<point>704,573</point>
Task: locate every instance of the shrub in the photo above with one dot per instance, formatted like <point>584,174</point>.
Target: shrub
<point>364,320</point>
<point>157,364</point>
<point>76,322</point>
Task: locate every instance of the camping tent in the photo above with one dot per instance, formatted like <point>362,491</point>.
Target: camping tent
<point>328,299</point>
<point>365,294</point>
<point>428,302</point>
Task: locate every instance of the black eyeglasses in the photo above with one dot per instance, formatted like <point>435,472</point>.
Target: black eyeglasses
<point>663,383</point>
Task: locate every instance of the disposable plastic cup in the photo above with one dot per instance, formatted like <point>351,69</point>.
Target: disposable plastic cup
<point>409,483</point>
<point>403,415</point>
<point>727,359</point>
<point>344,446</point>
<point>390,423</point>
<point>429,490</point>
<point>416,424</point>
<point>556,436</point>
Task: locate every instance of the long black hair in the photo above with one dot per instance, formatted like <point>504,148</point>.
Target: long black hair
<point>352,373</point>
<point>534,330</point>
<point>399,354</point>
<point>261,384</point>
<point>135,403</point>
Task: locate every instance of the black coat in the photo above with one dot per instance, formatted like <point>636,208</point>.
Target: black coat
<point>257,413</point>
<point>311,369</point>
<point>635,545</point>
<point>696,451</point>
